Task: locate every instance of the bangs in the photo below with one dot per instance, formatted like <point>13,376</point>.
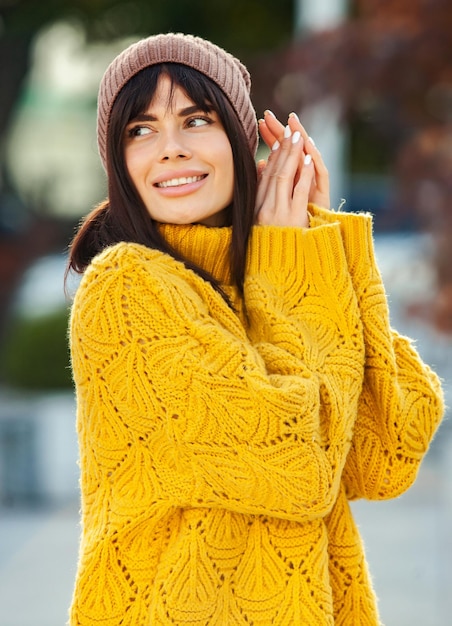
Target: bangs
<point>141,88</point>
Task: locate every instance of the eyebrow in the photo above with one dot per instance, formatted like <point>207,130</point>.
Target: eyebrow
<point>145,117</point>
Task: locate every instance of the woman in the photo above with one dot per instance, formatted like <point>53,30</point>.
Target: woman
<point>237,379</point>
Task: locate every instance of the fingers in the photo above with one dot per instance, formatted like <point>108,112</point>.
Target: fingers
<point>266,194</point>
<point>322,178</point>
<point>303,188</point>
<point>271,129</point>
<point>282,190</point>
<point>320,192</point>
<point>268,137</point>
<point>289,155</point>
<point>295,124</point>
<point>281,201</point>
<point>261,165</point>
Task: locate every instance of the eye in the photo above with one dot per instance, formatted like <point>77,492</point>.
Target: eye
<point>199,120</point>
<point>138,131</point>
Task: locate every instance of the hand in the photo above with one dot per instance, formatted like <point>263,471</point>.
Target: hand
<point>284,183</point>
<point>272,130</point>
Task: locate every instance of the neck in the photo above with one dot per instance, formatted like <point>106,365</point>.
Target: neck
<point>205,246</point>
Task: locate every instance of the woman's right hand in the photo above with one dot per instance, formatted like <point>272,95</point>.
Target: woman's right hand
<point>281,199</point>
<point>293,176</point>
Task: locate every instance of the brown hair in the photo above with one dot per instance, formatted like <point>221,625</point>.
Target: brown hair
<point>124,217</point>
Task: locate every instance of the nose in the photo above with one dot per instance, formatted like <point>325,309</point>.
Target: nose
<point>173,146</point>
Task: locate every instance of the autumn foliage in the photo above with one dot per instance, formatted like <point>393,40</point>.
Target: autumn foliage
<point>390,65</point>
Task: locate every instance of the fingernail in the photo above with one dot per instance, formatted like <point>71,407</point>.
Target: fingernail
<point>287,131</point>
<point>307,159</point>
<point>260,121</point>
<point>296,137</point>
<point>293,114</point>
<point>269,112</point>
<point>311,140</point>
<point>275,146</point>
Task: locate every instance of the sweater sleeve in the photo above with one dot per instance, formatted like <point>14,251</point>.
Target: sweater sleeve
<point>401,404</point>
<point>177,406</point>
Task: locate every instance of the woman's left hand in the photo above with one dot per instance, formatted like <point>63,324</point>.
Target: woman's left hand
<point>272,130</point>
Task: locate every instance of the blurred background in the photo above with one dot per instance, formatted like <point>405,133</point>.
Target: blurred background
<point>372,82</point>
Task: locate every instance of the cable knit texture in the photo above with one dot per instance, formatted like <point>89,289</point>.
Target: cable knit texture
<point>218,451</point>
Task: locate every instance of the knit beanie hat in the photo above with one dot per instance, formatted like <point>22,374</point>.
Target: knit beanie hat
<point>225,70</point>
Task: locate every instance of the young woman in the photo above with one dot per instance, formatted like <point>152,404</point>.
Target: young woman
<point>237,378</point>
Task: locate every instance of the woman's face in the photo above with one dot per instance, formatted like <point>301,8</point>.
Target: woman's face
<point>180,160</point>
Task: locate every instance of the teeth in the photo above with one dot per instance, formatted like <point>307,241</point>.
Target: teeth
<point>176,182</point>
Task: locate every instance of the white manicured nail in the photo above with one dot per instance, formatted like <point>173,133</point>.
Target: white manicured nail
<point>275,146</point>
<point>311,140</point>
<point>296,137</point>
<point>270,112</point>
<point>287,131</point>
<point>307,159</point>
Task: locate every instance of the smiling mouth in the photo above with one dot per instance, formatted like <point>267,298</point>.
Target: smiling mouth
<point>179,182</point>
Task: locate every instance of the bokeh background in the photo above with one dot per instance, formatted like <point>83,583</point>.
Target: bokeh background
<point>372,81</point>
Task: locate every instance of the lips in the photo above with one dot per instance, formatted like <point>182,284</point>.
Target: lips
<point>180,181</point>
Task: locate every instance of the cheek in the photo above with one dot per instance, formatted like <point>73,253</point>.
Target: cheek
<point>227,167</point>
<point>136,166</point>
<point>130,165</point>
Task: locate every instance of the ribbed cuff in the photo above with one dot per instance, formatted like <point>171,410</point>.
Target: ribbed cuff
<point>356,229</point>
<point>304,251</point>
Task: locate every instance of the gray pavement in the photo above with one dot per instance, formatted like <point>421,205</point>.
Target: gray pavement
<point>38,557</point>
<point>408,545</point>
<point>408,541</point>
<point>408,548</point>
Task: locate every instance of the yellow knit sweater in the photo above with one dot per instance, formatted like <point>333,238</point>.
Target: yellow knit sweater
<point>217,454</point>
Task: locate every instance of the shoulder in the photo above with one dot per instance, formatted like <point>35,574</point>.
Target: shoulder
<point>124,270</point>
<point>128,257</point>
<point>132,278</point>
<point>126,264</point>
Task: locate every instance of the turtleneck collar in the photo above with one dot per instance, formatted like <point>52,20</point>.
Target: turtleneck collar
<point>206,246</point>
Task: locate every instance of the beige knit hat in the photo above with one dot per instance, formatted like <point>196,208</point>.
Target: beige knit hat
<point>225,70</point>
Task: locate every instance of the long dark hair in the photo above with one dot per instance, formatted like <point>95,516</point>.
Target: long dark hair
<point>124,217</point>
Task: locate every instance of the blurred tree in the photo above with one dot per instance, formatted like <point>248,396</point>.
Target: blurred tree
<point>390,64</point>
<point>36,354</point>
<point>244,28</point>
<point>390,67</point>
